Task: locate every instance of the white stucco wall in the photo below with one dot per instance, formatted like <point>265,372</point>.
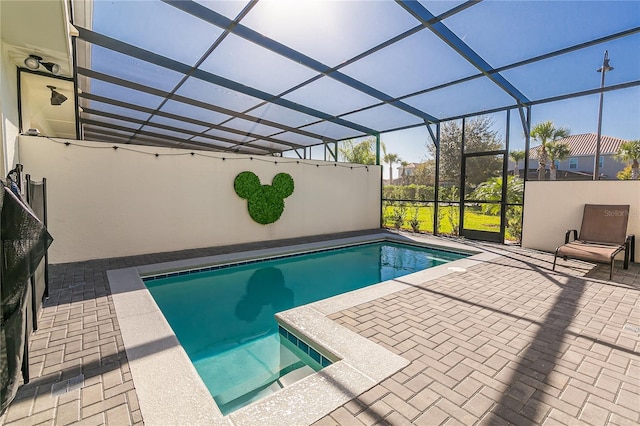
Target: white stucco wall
<point>551,208</point>
<point>107,203</point>
<point>8,111</point>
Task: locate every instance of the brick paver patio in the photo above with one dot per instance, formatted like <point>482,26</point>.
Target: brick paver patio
<point>505,342</point>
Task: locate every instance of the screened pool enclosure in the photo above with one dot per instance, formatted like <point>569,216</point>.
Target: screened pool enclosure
<point>298,78</point>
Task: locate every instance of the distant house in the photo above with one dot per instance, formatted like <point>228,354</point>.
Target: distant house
<point>579,163</point>
<point>407,171</point>
<point>407,174</point>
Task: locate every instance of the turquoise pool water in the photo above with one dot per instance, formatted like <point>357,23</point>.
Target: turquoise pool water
<point>224,318</point>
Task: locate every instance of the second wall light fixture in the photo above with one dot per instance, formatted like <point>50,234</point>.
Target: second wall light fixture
<point>56,97</point>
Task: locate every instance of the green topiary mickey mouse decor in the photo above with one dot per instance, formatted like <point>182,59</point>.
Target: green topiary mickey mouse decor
<point>265,202</point>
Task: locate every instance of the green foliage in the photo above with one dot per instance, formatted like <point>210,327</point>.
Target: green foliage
<point>414,223</point>
<point>424,173</point>
<point>390,159</point>
<point>514,223</point>
<point>449,218</point>
<point>479,136</point>
<point>556,151</point>
<point>450,193</point>
<point>517,155</point>
<point>491,190</point>
<point>449,214</point>
<point>265,202</point>
<point>624,174</point>
<point>630,151</point>
<point>448,223</point>
<point>398,215</point>
<point>408,192</point>
<point>360,153</point>
<point>546,133</point>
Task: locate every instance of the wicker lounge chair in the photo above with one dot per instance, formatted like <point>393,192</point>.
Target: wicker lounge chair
<point>603,235</point>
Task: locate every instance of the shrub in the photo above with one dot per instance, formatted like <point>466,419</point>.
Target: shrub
<point>398,215</point>
<point>414,222</point>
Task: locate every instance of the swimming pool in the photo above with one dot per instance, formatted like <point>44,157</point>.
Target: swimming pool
<point>223,316</point>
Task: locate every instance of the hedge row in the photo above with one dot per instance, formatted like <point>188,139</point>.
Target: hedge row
<point>408,192</point>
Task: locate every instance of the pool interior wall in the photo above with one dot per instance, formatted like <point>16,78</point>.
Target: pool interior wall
<point>223,315</point>
<point>179,393</point>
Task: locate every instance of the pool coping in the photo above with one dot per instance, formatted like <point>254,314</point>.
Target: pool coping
<point>178,393</point>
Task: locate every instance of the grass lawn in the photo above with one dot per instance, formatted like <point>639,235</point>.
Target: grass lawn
<point>449,217</point>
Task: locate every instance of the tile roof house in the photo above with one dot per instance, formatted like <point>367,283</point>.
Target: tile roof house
<point>579,164</point>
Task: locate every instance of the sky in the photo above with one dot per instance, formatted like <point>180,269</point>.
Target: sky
<point>620,118</point>
<point>499,32</point>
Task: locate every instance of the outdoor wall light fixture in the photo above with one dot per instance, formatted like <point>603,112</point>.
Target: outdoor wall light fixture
<point>34,61</point>
<point>56,98</point>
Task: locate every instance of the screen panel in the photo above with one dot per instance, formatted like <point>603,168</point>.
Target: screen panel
<point>518,30</point>
<point>297,138</point>
<point>122,66</point>
<point>129,21</point>
<point>415,63</point>
<point>121,93</point>
<point>577,71</point>
<point>251,127</point>
<point>330,96</point>
<point>332,130</point>
<point>472,96</point>
<point>192,111</point>
<point>179,124</point>
<point>247,63</point>
<point>213,94</point>
<point>279,114</point>
<point>113,109</point>
<point>383,117</point>
<point>317,28</point>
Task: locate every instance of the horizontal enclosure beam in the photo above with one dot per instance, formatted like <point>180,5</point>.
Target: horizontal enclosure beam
<point>127,105</point>
<point>161,93</point>
<point>162,61</point>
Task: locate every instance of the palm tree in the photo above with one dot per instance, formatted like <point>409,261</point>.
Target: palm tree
<point>360,153</point>
<point>517,156</point>
<point>630,151</point>
<point>545,133</point>
<point>491,190</point>
<point>556,151</point>
<point>391,158</point>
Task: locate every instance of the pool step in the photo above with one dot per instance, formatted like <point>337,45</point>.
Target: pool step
<point>253,370</point>
<point>295,375</point>
<point>278,383</point>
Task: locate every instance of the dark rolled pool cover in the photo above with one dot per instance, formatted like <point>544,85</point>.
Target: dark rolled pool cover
<point>24,241</point>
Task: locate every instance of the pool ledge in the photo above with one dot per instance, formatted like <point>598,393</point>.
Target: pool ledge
<point>362,365</point>
<point>169,387</point>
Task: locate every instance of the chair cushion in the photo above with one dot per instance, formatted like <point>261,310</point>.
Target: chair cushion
<point>589,251</point>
